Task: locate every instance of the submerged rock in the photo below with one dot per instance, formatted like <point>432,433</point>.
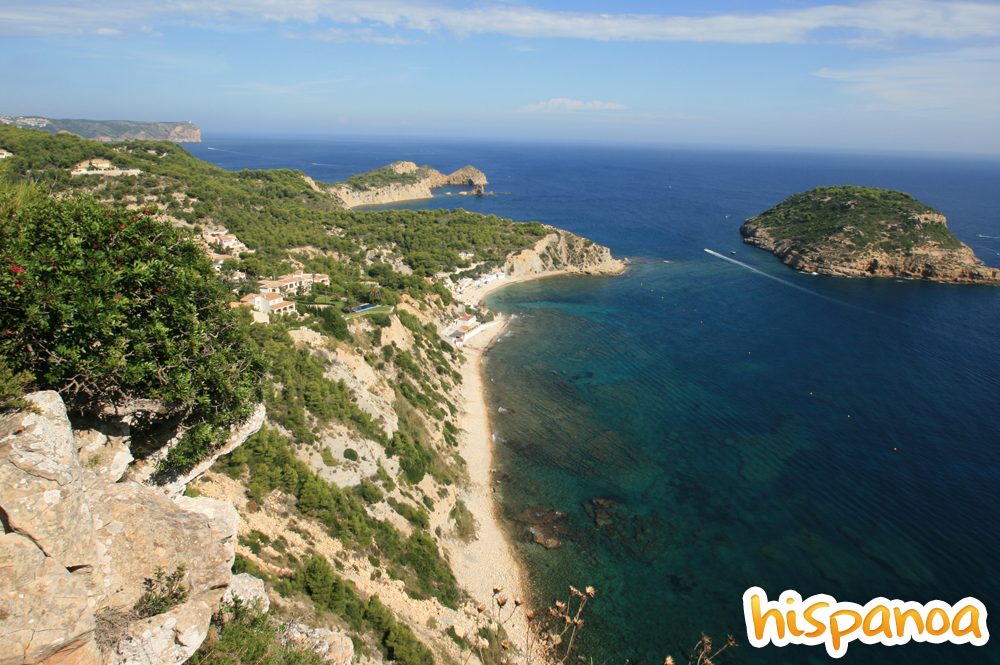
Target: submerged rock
<point>540,515</point>
<point>547,535</point>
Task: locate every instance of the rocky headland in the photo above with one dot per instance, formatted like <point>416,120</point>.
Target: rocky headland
<point>865,232</point>
<point>400,181</point>
<point>107,131</point>
<point>562,252</point>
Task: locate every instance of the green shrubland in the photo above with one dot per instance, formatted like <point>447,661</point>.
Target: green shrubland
<point>862,216</point>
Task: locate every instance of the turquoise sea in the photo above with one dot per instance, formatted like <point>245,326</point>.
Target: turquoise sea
<point>754,426</point>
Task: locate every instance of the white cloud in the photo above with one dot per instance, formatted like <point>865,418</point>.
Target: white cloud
<point>954,83</point>
<point>107,32</point>
<point>562,105</point>
<point>358,35</point>
<point>875,21</point>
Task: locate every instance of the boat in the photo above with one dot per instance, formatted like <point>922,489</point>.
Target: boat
<point>733,252</point>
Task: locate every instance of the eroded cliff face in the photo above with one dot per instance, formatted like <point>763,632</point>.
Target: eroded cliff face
<point>429,179</point>
<point>931,263</point>
<point>562,251</point>
<point>352,198</point>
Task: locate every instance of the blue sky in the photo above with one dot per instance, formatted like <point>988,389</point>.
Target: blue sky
<point>876,74</point>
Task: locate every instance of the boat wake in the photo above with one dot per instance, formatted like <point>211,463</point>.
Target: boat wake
<point>795,286</point>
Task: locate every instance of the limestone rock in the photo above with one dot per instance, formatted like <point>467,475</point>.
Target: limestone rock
<point>222,518</point>
<point>165,639</point>
<point>41,482</point>
<point>248,589</point>
<point>44,616</point>
<point>865,232</point>
<point>138,529</point>
<point>175,486</point>
<point>391,193</point>
<point>468,175</point>
<point>547,535</point>
<point>562,251</point>
<point>107,456</point>
<point>428,179</point>
<point>334,647</point>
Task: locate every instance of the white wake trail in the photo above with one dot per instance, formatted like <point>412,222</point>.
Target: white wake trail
<point>796,286</point>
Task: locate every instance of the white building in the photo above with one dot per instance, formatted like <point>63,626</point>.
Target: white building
<point>291,283</point>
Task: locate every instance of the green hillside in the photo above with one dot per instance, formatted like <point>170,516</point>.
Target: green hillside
<point>849,219</point>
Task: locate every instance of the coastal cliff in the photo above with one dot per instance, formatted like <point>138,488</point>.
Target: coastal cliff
<point>562,251</point>
<point>111,130</point>
<point>399,181</point>
<point>865,232</point>
<point>390,193</point>
<point>340,506</point>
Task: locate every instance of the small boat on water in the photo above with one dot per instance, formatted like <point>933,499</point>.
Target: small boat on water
<point>733,252</point>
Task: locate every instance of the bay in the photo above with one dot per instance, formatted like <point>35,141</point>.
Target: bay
<point>755,426</point>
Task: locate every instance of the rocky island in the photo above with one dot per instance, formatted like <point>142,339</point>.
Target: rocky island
<point>865,232</point>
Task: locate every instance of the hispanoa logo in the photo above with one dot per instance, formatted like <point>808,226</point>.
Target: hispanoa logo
<point>821,619</point>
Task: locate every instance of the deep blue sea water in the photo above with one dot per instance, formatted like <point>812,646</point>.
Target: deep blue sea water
<point>756,426</point>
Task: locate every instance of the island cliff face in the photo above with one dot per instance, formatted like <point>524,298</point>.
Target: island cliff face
<point>865,232</point>
<point>401,181</point>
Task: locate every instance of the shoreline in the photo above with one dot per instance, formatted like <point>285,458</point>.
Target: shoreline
<point>475,296</point>
<point>489,560</point>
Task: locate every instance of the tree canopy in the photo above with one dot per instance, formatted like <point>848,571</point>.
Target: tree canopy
<point>120,312</point>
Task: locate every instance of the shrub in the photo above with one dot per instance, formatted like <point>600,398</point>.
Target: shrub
<point>12,387</point>
<point>368,492</point>
<point>351,454</point>
<point>380,320</point>
<point>465,523</point>
<point>119,311</point>
<point>242,634</point>
<point>163,592</point>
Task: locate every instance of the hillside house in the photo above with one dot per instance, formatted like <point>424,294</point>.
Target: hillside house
<point>268,303</point>
<point>293,282</point>
<point>99,166</point>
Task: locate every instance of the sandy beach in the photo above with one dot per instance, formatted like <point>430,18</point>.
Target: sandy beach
<point>475,296</point>
<point>489,560</point>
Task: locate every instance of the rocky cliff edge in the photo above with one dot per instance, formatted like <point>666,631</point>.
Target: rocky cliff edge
<point>831,256</point>
<point>562,251</point>
<point>79,542</point>
<point>427,179</point>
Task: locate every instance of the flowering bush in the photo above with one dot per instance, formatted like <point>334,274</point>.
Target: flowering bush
<point>122,314</point>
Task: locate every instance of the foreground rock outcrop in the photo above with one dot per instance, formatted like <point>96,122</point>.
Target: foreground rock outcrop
<point>865,232</point>
<point>78,546</point>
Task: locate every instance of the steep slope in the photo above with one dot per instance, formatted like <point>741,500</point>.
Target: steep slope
<point>562,251</point>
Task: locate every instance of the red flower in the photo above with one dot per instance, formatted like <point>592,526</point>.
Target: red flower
<point>15,269</point>
<point>122,226</point>
<point>159,289</point>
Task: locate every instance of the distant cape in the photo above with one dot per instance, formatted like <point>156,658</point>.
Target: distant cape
<point>111,130</point>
